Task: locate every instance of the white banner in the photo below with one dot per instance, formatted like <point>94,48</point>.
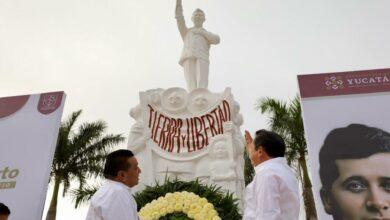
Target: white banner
<point>348,136</point>
<point>28,134</point>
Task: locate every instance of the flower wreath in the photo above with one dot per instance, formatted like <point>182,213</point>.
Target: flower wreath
<point>187,202</point>
<point>189,198</point>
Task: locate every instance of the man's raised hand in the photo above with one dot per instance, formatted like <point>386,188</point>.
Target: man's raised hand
<point>248,138</point>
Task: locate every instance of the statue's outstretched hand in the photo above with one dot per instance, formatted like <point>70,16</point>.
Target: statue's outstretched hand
<point>179,8</point>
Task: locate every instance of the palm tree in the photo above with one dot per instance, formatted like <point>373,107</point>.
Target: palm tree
<point>286,120</point>
<point>78,156</point>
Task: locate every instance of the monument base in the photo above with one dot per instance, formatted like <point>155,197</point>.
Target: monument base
<point>189,136</point>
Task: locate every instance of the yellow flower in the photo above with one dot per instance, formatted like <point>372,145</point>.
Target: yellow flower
<point>178,207</point>
<point>191,204</point>
<point>170,209</point>
<point>212,212</point>
<point>163,211</point>
<point>155,215</point>
<point>202,201</point>
<point>208,206</point>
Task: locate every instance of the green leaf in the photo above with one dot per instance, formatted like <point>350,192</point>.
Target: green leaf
<point>80,154</point>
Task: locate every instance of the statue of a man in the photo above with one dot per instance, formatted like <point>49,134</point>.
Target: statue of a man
<point>195,55</point>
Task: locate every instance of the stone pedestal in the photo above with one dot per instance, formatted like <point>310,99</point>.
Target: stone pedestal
<point>187,136</point>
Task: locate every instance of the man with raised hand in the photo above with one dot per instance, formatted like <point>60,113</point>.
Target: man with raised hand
<point>273,194</point>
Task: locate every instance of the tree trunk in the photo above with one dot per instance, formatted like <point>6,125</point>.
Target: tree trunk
<point>307,192</point>
<point>52,213</point>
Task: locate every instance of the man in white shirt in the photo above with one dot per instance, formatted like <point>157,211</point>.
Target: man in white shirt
<point>114,201</point>
<point>273,194</point>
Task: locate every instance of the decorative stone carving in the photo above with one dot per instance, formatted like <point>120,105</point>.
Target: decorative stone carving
<point>187,136</point>
<point>222,166</point>
<point>138,132</point>
<point>200,100</point>
<point>154,96</point>
<point>174,99</point>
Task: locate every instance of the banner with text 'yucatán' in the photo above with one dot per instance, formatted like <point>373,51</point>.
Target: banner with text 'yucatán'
<point>347,127</point>
<point>29,128</point>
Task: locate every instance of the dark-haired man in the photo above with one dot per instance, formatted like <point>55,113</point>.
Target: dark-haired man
<point>355,173</point>
<point>114,201</point>
<point>273,194</point>
<point>4,212</point>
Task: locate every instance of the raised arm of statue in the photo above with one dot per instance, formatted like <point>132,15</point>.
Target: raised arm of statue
<point>181,24</point>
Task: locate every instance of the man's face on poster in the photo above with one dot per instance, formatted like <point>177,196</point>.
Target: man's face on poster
<point>362,189</point>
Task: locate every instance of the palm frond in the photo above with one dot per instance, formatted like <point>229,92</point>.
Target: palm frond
<point>81,154</point>
<point>278,111</point>
<point>87,133</point>
<point>84,194</point>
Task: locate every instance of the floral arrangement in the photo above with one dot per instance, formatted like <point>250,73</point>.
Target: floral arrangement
<point>189,203</point>
<point>175,199</point>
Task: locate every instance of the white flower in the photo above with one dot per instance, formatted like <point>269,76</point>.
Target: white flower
<point>187,202</point>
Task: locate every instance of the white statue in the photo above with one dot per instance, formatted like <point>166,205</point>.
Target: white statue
<point>222,167</point>
<point>188,135</point>
<point>195,54</point>
<point>138,132</point>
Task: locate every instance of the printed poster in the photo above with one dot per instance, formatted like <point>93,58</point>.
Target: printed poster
<point>29,128</point>
<point>347,125</point>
